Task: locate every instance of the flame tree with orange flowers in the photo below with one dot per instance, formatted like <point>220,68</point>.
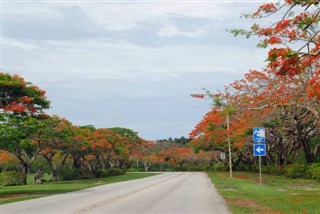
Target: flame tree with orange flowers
<point>284,97</point>
<point>61,134</point>
<point>21,107</point>
<point>293,57</point>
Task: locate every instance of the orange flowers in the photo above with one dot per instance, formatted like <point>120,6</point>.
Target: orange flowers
<point>199,96</point>
<point>21,96</point>
<point>274,40</point>
<point>15,107</point>
<point>266,8</point>
<point>281,25</point>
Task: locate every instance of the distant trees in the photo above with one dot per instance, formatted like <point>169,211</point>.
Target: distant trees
<point>181,140</point>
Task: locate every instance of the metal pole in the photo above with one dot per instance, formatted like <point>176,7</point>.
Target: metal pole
<point>137,165</point>
<point>228,131</point>
<point>260,170</point>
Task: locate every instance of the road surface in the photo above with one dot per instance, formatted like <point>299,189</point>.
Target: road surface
<point>172,192</point>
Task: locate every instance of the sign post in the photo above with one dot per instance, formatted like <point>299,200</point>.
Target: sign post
<point>259,149</point>
<point>259,135</point>
<point>222,156</point>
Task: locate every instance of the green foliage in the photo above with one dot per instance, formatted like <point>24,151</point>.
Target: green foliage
<point>129,134</point>
<point>275,122</point>
<point>181,140</point>
<point>102,173</point>
<point>246,168</point>
<point>41,164</point>
<point>290,171</point>
<point>241,32</point>
<point>220,167</point>
<point>10,165</point>
<point>263,44</point>
<point>180,169</point>
<point>208,168</point>
<point>132,169</point>
<point>67,174</point>
<point>272,169</point>
<point>89,127</point>
<point>295,171</point>
<point>196,168</point>
<point>11,178</point>
<point>313,171</point>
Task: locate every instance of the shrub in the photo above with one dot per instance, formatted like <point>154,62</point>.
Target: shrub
<point>10,165</point>
<point>180,169</point>
<point>132,170</point>
<point>11,178</point>
<point>70,174</point>
<point>241,167</point>
<point>196,168</point>
<point>254,168</point>
<point>313,171</point>
<point>295,171</point>
<point>115,171</point>
<point>220,167</point>
<point>208,168</point>
<point>274,170</point>
<point>101,173</point>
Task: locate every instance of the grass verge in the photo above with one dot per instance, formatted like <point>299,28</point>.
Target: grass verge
<point>19,193</point>
<point>277,194</point>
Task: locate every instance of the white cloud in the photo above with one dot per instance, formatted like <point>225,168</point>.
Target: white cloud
<point>20,10</point>
<point>133,71</point>
<point>170,30</point>
<point>92,59</point>
<point>21,45</point>
<point>107,15</point>
<point>124,16</point>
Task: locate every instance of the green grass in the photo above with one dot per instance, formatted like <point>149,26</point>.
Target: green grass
<point>18,193</point>
<point>277,194</point>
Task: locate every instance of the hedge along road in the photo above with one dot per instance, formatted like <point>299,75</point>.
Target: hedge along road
<point>172,192</point>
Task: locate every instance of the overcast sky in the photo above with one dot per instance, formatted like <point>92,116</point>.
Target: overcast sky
<point>129,64</point>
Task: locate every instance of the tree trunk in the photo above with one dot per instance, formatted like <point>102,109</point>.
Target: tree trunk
<point>54,176</point>
<point>146,166</point>
<point>304,142</point>
<point>25,172</point>
<point>55,170</point>
<point>307,151</point>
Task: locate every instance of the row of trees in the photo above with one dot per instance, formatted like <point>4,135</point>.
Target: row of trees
<point>28,136</point>
<point>284,97</point>
<point>27,133</point>
<point>168,154</point>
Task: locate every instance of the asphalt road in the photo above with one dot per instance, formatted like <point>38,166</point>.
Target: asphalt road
<point>174,192</point>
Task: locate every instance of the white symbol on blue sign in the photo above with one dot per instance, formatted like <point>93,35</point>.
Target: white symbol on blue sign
<point>259,135</point>
<point>259,150</point>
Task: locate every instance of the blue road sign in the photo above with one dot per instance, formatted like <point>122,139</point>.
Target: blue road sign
<point>259,135</point>
<point>259,150</point>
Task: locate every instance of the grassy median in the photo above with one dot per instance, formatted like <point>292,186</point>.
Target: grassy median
<point>277,194</point>
<point>24,192</point>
